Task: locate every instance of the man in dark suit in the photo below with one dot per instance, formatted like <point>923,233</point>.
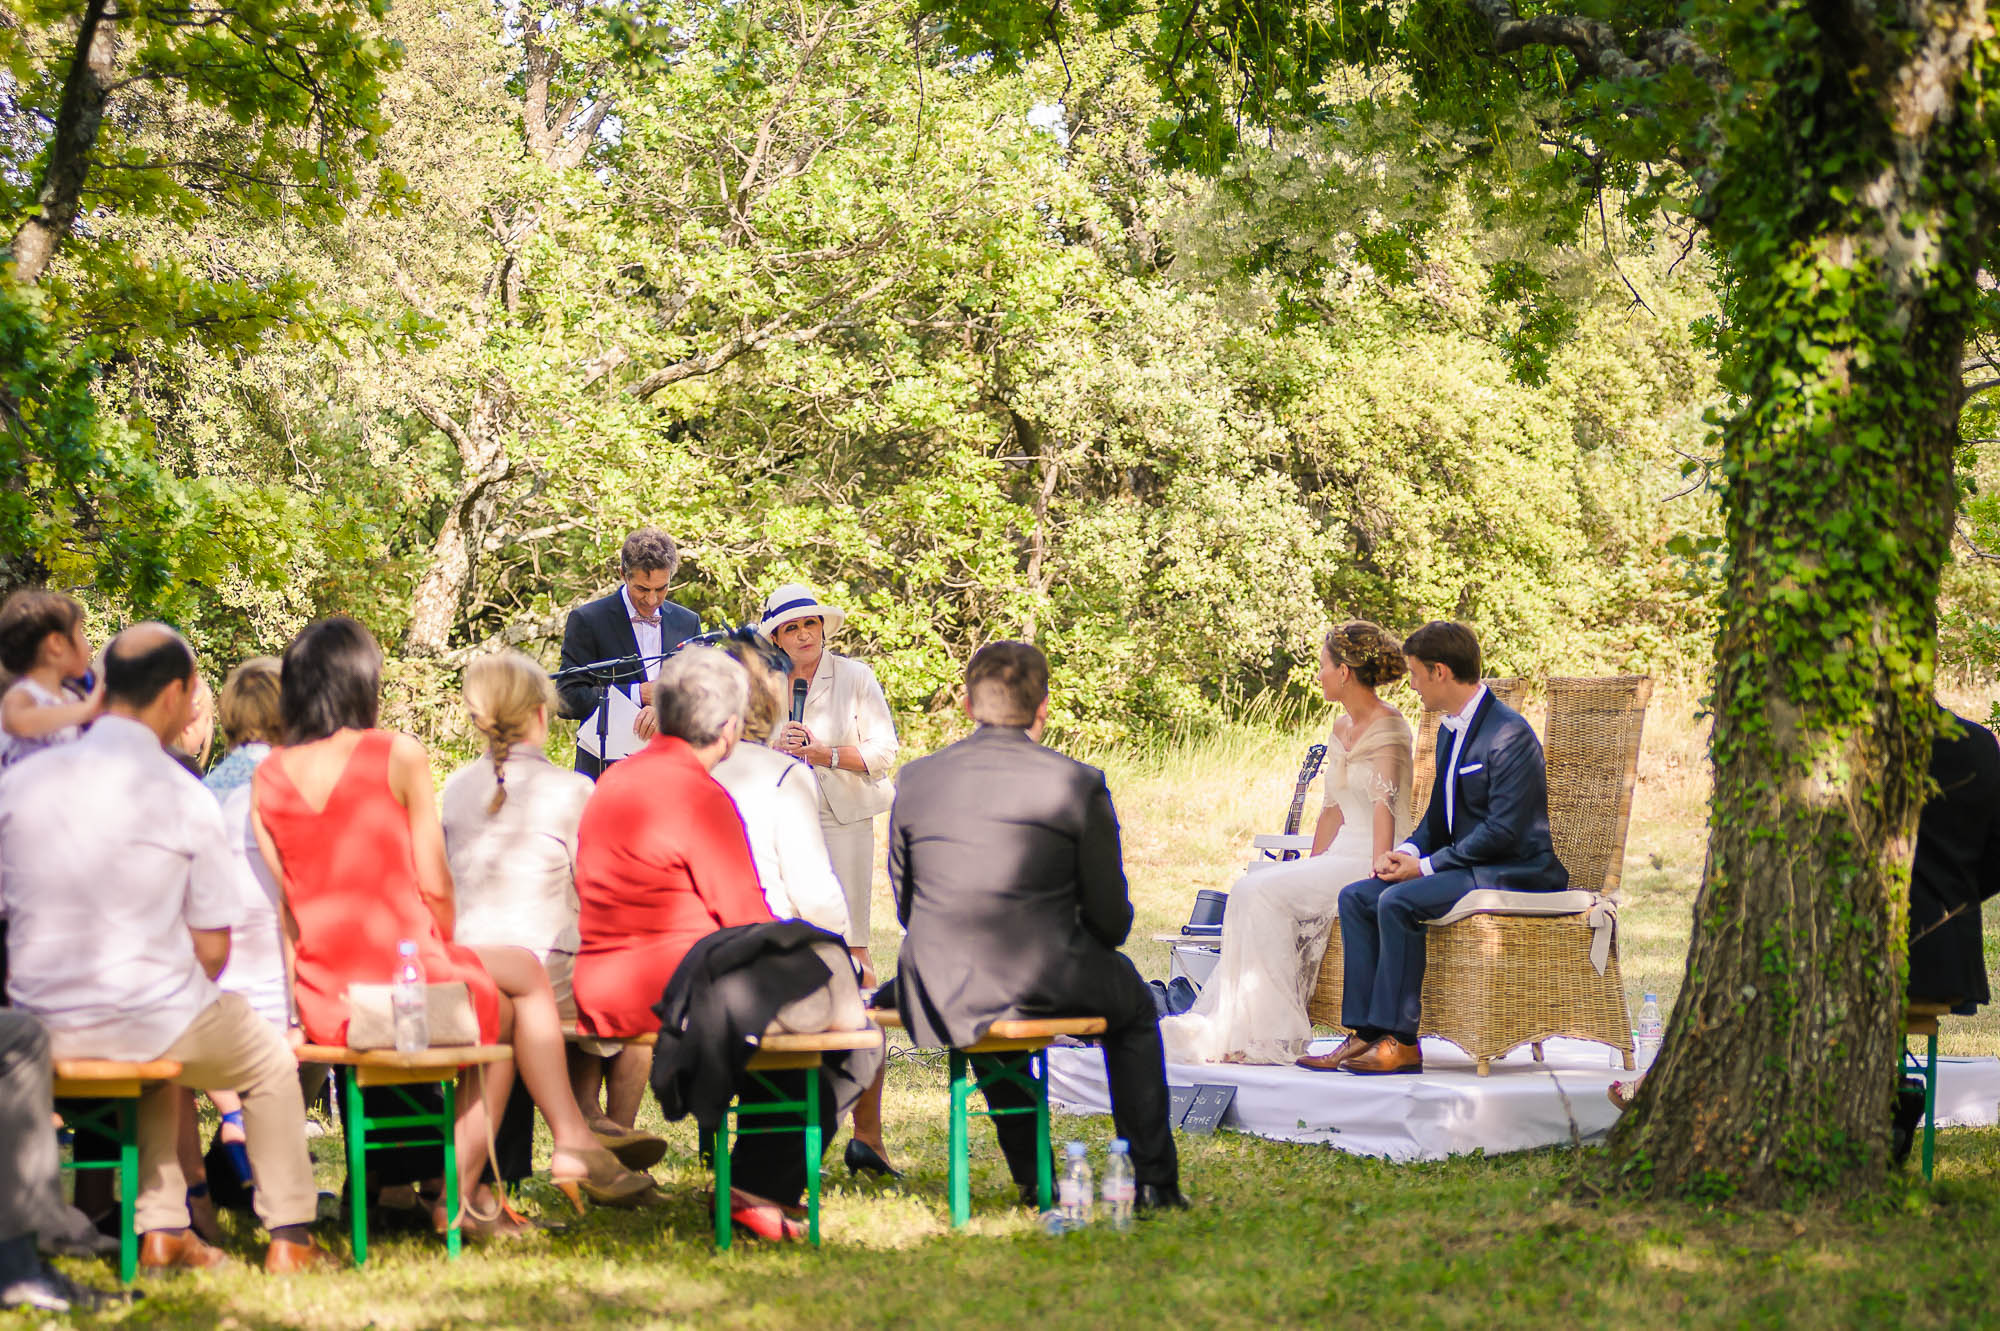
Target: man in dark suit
<point>1487,827</point>
<point>1004,859</point>
<point>1957,867</point>
<point>635,620</point>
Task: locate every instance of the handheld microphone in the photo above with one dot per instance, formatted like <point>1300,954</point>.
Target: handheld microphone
<point>798,700</point>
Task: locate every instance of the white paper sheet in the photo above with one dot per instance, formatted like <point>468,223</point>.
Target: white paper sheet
<point>619,714</point>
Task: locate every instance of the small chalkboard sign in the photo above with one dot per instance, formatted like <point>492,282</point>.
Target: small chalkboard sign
<point>1198,1109</point>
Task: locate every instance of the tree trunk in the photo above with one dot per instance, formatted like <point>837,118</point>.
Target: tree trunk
<point>482,453</point>
<point>1845,212</point>
<point>85,91</point>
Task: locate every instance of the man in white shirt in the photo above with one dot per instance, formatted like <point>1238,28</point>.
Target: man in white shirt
<point>1487,827</point>
<point>116,886</point>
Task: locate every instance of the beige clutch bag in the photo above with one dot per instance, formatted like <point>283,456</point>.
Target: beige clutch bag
<point>371,1015</point>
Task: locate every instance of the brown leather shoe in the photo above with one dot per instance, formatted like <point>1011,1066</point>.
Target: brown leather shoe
<point>1386,1057</point>
<point>1349,1047</point>
<point>290,1259</point>
<point>160,1250</point>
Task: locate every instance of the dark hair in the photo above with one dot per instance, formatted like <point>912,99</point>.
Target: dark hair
<point>26,621</point>
<point>330,679</point>
<point>135,675</point>
<point>1366,649</point>
<point>649,548</point>
<point>1006,682</point>
<point>1449,644</point>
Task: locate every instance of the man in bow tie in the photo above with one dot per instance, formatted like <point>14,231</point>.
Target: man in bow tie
<point>1487,827</point>
<point>636,620</point>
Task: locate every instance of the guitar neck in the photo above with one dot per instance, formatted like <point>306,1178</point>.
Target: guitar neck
<point>1298,811</point>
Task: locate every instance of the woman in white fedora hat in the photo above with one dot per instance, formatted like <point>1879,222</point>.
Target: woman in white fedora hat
<point>849,738</point>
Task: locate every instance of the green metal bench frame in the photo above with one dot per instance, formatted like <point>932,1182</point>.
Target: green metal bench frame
<point>1026,1068</point>
<point>732,1127</point>
<point>118,1122</point>
<point>356,1123</point>
<point>1924,1021</point>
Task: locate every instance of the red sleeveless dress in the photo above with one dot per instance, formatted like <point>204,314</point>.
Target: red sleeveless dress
<point>351,882</point>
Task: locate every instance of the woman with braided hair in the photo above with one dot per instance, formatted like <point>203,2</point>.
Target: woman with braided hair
<point>1253,1008</point>
<point>510,819</point>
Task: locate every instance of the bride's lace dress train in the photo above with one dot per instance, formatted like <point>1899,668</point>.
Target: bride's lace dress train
<point>1253,1007</point>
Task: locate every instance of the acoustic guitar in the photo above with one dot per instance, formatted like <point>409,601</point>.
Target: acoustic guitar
<point>1307,771</point>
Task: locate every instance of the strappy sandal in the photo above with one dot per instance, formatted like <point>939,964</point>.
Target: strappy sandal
<point>603,1181</point>
<point>634,1149</point>
<point>504,1223</point>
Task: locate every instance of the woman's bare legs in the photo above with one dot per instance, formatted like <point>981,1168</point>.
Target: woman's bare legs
<point>538,1043</point>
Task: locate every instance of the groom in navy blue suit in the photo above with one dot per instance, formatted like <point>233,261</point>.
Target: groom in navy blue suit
<point>1487,827</point>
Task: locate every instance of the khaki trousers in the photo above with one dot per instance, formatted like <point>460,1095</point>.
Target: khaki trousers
<point>230,1048</point>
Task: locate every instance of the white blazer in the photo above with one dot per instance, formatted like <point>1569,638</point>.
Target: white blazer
<point>779,803</point>
<point>844,705</point>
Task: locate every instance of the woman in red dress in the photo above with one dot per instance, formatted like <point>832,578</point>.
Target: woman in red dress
<point>346,818</point>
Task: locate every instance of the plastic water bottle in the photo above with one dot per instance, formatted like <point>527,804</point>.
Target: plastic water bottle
<point>1074,1195</point>
<point>1119,1186</point>
<point>1651,1031</point>
<point>413,1023</point>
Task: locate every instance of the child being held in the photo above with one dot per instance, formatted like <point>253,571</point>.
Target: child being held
<point>43,646</point>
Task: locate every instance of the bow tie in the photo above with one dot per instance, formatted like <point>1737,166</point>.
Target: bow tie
<point>651,622</point>
<point>1453,723</point>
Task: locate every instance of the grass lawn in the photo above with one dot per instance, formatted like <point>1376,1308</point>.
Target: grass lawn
<point>1282,1235</point>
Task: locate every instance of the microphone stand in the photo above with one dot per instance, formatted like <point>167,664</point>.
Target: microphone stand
<point>604,673</point>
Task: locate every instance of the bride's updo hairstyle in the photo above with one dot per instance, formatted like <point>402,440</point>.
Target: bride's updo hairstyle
<point>1366,649</point>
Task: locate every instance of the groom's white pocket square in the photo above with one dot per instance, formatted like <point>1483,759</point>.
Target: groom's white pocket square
<point>1469,769</point>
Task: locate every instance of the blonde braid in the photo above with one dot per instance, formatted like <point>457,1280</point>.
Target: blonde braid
<point>502,692</point>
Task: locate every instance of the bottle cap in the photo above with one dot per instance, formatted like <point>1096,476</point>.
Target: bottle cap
<point>407,948</point>
<point>1119,1146</point>
<point>1652,998</point>
<point>1076,1150</point>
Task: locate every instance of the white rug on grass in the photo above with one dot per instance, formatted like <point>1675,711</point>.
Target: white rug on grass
<point>1449,1110</point>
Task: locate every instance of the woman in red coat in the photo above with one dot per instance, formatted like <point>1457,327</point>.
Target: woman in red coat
<point>662,862</point>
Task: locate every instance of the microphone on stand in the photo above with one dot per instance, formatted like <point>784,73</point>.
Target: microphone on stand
<point>798,700</point>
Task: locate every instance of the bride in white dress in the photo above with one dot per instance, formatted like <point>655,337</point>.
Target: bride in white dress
<point>1274,932</point>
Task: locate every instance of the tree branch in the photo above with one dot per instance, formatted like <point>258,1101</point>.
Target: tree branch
<point>85,91</point>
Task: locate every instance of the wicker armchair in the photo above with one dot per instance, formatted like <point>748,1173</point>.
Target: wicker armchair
<point>1323,1007</point>
<point>1495,982</point>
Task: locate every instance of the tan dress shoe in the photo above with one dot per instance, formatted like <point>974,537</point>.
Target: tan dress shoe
<point>290,1259</point>
<point>1349,1047</point>
<point>162,1251</point>
<point>1386,1057</point>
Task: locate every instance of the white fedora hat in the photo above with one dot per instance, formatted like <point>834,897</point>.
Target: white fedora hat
<point>795,600</point>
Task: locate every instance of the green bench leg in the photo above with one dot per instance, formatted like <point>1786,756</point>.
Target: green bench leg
<point>814,1140</point>
<point>1044,1182</point>
<point>719,1150</point>
<point>958,1167</point>
<point>128,1189</point>
<point>1930,1105</point>
<point>354,1123</point>
<point>449,1131</point>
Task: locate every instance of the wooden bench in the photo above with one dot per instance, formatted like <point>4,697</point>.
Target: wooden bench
<point>368,1068</point>
<point>1922,1019</point>
<point>1013,1050</point>
<point>118,1121</point>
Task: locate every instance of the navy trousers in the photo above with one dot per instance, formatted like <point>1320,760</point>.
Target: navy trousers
<point>1382,948</point>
